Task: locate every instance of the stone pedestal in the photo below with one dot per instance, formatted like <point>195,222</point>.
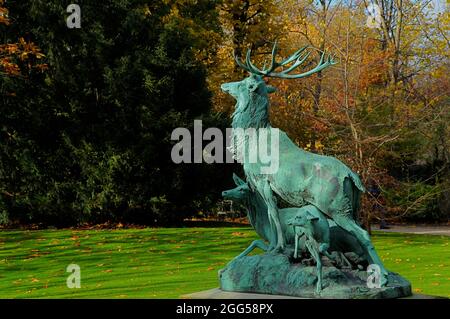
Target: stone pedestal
<point>217,293</point>
<point>277,275</point>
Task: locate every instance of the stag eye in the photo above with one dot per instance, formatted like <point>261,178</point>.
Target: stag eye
<point>253,87</point>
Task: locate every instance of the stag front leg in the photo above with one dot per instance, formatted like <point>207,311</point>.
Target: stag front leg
<point>273,213</point>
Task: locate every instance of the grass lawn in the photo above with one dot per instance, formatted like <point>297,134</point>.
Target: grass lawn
<point>169,262</point>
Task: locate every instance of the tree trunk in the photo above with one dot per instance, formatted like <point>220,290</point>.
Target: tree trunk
<point>318,88</point>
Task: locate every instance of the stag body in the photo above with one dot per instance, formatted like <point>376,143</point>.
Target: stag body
<point>339,240</point>
<point>302,178</point>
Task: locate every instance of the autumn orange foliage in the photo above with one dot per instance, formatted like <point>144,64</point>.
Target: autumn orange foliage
<point>16,58</point>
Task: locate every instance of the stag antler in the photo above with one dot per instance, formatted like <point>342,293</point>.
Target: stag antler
<point>298,57</point>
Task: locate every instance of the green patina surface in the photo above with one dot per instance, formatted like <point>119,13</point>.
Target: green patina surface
<point>342,275</point>
<point>279,275</point>
<point>306,182</point>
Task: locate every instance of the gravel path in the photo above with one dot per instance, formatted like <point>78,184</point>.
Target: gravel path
<point>416,229</point>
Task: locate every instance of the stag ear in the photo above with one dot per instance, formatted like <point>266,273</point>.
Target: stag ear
<point>237,180</point>
<point>271,89</point>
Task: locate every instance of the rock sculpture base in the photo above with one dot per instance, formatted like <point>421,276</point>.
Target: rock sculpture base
<point>275,274</point>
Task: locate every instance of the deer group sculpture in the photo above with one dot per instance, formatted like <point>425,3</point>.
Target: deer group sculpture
<point>302,178</point>
<point>339,242</point>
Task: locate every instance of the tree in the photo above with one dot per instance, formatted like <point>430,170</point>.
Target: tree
<point>376,110</point>
<point>89,140</point>
<point>245,24</point>
<point>17,58</point>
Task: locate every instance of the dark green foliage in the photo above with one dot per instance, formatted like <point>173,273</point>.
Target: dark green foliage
<point>89,139</point>
<point>420,202</point>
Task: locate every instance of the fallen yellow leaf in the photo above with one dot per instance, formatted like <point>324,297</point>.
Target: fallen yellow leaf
<point>435,283</point>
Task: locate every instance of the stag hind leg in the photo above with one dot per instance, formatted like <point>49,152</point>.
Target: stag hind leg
<point>363,238</point>
<point>273,213</point>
